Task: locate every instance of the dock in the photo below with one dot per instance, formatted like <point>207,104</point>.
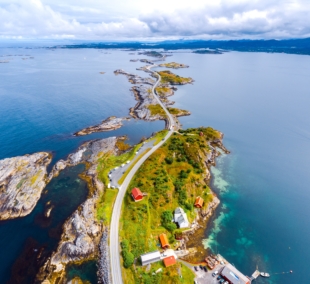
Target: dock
<point>255,275</point>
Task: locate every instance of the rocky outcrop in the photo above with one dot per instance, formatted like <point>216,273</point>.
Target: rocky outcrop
<point>111,123</point>
<point>82,231</point>
<point>22,180</point>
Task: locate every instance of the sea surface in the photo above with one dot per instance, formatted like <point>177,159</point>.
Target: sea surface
<point>259,101</point>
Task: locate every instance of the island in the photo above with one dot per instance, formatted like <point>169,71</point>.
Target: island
<point>172,179</point>
<point>111,123</point>
<point>22,180</point>
<point>173,65</point>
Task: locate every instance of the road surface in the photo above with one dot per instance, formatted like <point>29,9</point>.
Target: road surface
<point>116,270</point>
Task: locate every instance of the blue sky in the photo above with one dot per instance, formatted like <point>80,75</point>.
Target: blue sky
<point>154,20</point>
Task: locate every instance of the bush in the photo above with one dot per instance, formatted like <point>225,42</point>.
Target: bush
<point>169,160</point>
<point>128,258</point>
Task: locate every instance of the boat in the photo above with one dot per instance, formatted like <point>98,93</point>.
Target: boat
<point>265,274</point>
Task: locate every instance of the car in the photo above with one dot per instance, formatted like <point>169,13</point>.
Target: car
<point>201,267</point>
<point>219,277</point>
<point>205,269</point>
<point>196,268</point>
<point>226,282</point>
<point>216,272</point>
<point>163,139</point>
<point>221,281</point>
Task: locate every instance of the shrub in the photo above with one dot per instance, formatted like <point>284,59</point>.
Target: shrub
<point>128,258</point>
<point>169,160</point>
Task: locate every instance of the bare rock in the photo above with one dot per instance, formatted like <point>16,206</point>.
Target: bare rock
<point>22,180</point>
<point>111,123</point>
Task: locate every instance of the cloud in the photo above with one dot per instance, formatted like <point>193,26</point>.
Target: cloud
<point>202,19</point>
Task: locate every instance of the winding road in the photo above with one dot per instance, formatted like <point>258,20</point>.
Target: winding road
<point>116,270</point>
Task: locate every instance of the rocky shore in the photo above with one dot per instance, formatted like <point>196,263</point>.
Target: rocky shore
<point>22,180</point>
<point>82,231</point>
<point>111,123</point>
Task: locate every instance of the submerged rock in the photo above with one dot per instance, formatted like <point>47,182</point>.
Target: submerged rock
<point>22,180</point>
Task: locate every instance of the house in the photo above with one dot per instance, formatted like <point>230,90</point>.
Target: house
<point>150,257</point>
<point>170,260</point>
<point>198,202</point>
<point>180,218</point>
<point>164,241</point>
<point>234,276</point>
<point>136,194</point>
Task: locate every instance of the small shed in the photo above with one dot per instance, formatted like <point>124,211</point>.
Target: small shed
<point>198,202</point>
<point>164,241</point>
<point>170,260</point>
<point>150,257</point>
<point>136,194</point>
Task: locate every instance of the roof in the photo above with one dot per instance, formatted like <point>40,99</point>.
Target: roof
<point>232,274</point>
<point>199,201</point>
<point>150,256</point>
<point>136,192</point>
<point>179,210</point>
<point>170,260</point>
<point>163,240</point>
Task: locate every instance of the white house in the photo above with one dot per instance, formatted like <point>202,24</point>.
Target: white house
<point>180,218</point>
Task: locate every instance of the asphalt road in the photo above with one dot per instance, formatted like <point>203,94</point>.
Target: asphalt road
<point>116,270</point>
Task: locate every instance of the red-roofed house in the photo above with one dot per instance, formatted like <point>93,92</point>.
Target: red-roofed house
<point>136,194</point>
<point>170,260</point>
<point>164,241</point>
<point>198,202</point>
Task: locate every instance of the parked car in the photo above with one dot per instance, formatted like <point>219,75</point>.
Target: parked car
<point>201,267</point>
<point>221,281</point>
<point>219,277</point>
<point>196,268</point>
<point>205,269</point>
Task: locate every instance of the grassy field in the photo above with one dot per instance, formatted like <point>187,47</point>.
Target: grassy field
<point>173,79</point>
<point>105,205</point>
<point>172,176</point>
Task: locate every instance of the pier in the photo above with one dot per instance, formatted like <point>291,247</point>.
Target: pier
<point>255,275</point>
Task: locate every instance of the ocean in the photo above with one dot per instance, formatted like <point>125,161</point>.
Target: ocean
<point>259,101</point>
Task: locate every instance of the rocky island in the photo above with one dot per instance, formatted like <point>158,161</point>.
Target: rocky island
<point>22,180</point>
<point>111,123</point>
<point>173,65</point>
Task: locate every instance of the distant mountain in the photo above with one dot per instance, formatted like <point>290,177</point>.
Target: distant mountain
<point>292,46</point>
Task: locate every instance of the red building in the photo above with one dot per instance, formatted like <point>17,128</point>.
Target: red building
<point>198,202</point>
<point>170,260</point>
<point>136,194</point>
<point>164,241</point>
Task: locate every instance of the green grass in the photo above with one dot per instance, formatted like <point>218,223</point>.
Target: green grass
<point>105,205</point>
<point>173,65</point>
<point>157,110</point>
<point>172,176</point>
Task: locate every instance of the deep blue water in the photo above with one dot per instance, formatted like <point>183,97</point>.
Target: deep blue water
<point>259,101</point>
<point>42,102</point>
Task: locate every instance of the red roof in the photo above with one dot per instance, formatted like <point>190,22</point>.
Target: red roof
<point>136,193</point>
<point>199,202</point>
<point>164,241</point>
<point>170,260</point>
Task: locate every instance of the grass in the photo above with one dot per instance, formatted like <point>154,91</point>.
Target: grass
<point>105,205</point>
<point>173,79</point>
<point>172,176</point>
<point>157,110</point>
<point>121,180</point>
<point>163,91</point>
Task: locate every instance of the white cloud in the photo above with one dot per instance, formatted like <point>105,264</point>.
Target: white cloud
<point>118,19</point>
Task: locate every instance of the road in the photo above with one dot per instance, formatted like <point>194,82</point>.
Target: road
<point>116,270</point>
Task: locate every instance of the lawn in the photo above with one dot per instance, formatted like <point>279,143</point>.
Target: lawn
<point>172,176</point>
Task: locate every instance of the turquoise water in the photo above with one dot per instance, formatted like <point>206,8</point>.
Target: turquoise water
<point>259,101</point>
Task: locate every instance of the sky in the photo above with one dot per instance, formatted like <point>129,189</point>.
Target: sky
<point>154,20</point>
